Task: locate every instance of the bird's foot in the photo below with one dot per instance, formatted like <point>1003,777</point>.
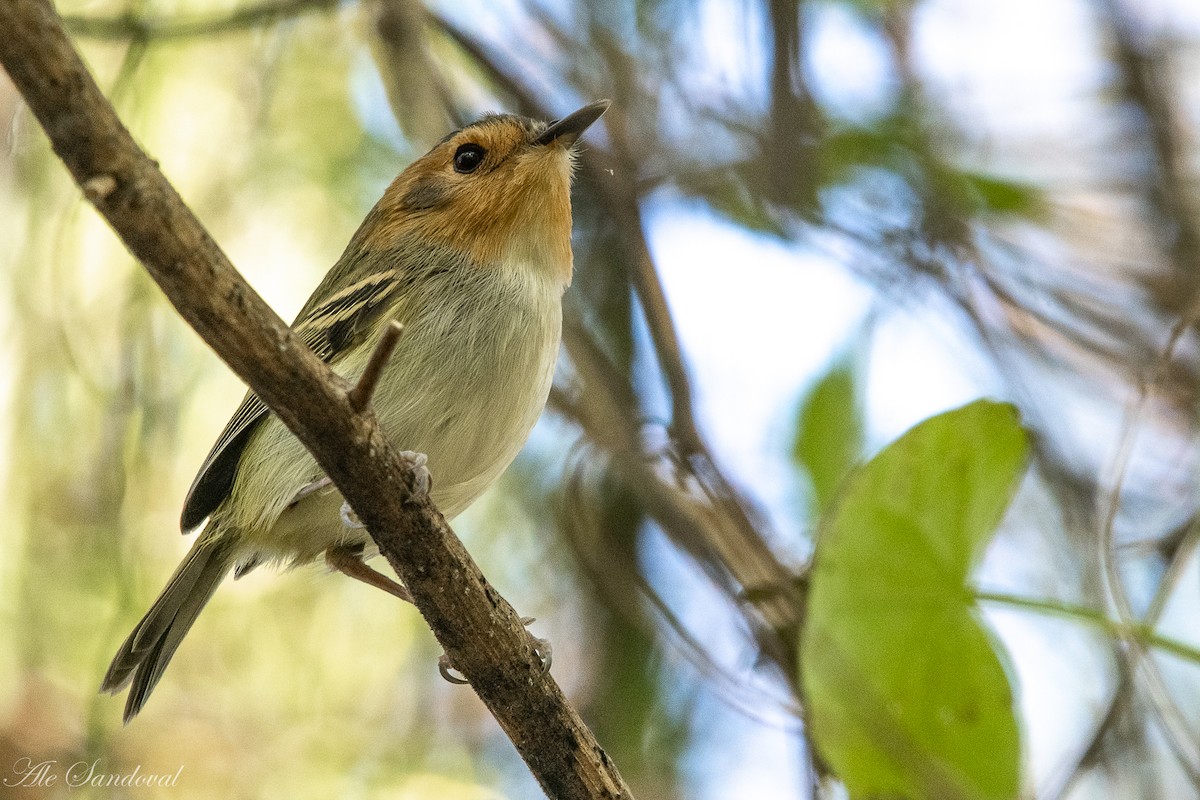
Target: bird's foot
<point>422,483</point>
<point>421,486</point>
<point>349,518</point>
<point>545,652</point>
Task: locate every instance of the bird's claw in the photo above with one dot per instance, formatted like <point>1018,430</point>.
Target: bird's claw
<point>447,671</point>
<point>422,484</point>
<point>422,480</point>
<point>542,647</point>
<point>349,518</point>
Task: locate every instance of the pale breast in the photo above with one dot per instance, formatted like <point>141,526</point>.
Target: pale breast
<point>465,386</point>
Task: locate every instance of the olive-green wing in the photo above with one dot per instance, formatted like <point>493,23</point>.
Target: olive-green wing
<point>331,328</point>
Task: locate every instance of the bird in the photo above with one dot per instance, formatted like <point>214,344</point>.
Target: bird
<point>469,248</point>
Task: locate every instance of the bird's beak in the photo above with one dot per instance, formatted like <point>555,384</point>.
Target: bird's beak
<point>569,128</point>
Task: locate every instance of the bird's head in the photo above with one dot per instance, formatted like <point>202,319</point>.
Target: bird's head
<point>498,189</point>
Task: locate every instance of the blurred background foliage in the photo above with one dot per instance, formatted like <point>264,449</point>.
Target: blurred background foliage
<point>803,227</point>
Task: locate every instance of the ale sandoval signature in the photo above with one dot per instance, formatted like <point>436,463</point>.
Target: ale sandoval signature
<point>51,772</point>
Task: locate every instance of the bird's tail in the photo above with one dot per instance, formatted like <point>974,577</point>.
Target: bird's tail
<point>146,652</point>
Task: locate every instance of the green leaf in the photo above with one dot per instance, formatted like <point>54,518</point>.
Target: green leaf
<point>846,150</point>
<point>906,694</point>
<point>829,432</point>
<point>1002,196</point>
<point>872,8</point>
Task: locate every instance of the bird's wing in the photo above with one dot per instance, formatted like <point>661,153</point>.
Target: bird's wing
<point>331,327</point>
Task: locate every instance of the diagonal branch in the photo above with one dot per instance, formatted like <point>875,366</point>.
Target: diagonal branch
<point>481,633</point>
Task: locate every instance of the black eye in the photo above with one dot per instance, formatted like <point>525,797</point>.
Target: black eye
<point>468,157</point>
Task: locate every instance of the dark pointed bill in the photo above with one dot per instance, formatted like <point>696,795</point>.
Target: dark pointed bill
<point>569,128</point>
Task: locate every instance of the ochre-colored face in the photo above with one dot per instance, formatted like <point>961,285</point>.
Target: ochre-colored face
<point>492,190</point>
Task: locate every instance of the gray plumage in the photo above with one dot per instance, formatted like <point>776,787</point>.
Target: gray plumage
<point>148,649</point>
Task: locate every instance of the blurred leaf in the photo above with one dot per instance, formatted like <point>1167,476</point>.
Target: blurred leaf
<point>736,193</point>
<point>906,693</point>
<point>873,8</point>
<point>829,432</point>
<point>896,144</point>
<point>740,204</point>
<point>848,149</point>
<point>1002,196</point>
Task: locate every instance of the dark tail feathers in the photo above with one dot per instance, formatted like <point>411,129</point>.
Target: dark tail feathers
<point>146,653</point>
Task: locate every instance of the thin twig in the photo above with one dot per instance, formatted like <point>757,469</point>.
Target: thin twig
<point>609,418</point>
<point>1068,775</point>
<point>1143,84</point>
<point>1177,564</point>
<point>1140,631</point>
<point>360,395</point>
<point>1171,720</point>
<point>137,26</point>
<point>741,544</point>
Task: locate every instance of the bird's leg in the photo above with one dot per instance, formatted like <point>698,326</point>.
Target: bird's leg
<point>542,647</point>
<point>347,559</point>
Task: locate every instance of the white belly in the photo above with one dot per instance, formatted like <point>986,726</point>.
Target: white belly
<point>465,386</point>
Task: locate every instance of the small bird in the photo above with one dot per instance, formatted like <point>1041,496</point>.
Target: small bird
<point>470,249</point>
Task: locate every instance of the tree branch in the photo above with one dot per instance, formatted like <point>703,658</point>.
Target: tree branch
<point>1144,82</point>
<point>481,633</point>
<point>138,26</point>
<point>417,90</point>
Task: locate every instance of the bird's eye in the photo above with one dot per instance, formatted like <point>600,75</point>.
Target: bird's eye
<point>468,157</point>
